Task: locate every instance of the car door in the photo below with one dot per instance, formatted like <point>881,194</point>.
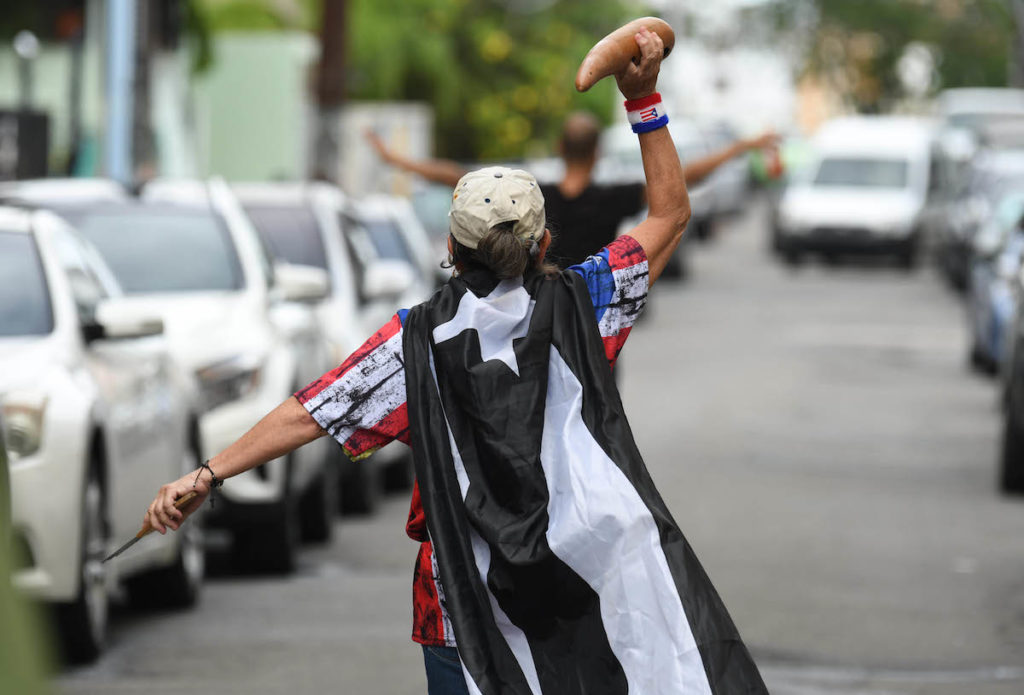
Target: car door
<point>141,414</point>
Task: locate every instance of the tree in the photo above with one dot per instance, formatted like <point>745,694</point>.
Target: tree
<point>500,79</point>
<point>499,73</point>
<point>856,46</point>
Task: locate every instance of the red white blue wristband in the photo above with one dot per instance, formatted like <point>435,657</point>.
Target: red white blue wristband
<point>646,114</point>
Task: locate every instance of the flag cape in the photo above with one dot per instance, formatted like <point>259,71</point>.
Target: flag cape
<point>563,571</point>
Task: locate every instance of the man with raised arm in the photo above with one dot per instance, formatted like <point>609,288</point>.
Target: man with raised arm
<point>584,215</point>
<point>548,562</point>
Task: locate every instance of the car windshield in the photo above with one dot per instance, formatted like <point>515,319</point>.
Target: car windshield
<point>862,172</point>
<point>24,298</point>
<point>387,239</point>
<point>291,232</point>
<point>981,120</point>
<point>163,249</point>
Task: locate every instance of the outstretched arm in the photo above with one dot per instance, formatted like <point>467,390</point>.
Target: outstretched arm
<point>668,202</point>
<point>437,170</point>
<point>698,170</point>
<point>283,429</point>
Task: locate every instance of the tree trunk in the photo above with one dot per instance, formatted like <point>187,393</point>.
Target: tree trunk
<point>1016,67</point>
<point>330,91</point>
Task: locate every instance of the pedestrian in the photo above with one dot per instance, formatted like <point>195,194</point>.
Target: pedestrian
<point>585,215</point>
<point>548,562</point>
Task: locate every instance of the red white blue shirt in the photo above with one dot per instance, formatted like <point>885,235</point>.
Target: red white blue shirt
<point>362,403</point>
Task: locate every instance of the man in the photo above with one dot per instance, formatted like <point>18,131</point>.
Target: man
<point>548,564</point>
<point>583,215</point>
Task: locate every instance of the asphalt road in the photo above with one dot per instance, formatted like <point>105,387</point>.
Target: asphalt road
<point>821,443</point>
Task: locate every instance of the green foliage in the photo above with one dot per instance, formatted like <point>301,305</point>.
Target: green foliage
<point>500,81</point>
<point>857,45</point>
<point>499,73</point>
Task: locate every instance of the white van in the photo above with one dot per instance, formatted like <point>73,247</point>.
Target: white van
<point>864,192</point>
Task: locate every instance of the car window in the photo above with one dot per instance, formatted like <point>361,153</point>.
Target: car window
<point>291,232</point>
<point>387,239</point>
<point>87,288</point>
<point>157,249</point>
<point>25,307</point>
<point>360,249</point>
<point>862,172</point>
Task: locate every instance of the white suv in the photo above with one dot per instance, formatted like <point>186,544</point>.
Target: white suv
<point>96,417</point>
<point>233,320</point>
<point>314,224</point>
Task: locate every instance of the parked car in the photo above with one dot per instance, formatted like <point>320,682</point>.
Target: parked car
<point>397,234</point>
<point>730,182</point>
<point>973,108</point>
<point>997,250</point>
<point>865,192</point>
<point>314,222</point>
<point>431,203</point>
<point>1011,453</point>
<point>96,417</point>
<point>965,211</point>
<point>232,319</point>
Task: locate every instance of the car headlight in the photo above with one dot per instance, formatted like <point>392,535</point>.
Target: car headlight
<point>229,380</point>
<point>23,423</point>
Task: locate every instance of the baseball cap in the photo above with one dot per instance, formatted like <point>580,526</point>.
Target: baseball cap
<point>493,195</point>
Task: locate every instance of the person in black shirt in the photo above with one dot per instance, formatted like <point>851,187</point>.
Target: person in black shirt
<point>583,216</point>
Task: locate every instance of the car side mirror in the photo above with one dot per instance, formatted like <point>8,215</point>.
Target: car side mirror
<point>301,283</point>
<point>114,320</point>
<point>387,280</point>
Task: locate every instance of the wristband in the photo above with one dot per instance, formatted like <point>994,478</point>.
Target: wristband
<point>646,114</point>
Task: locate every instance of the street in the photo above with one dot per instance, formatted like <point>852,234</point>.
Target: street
<point>821,442</point>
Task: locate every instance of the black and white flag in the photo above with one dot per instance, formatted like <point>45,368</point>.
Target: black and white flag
<point>563,571</point>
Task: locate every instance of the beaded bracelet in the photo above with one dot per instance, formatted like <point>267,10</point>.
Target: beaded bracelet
<point>215,482</point>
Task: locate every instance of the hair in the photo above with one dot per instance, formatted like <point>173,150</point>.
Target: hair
<point>500,252</point>
<point>580,133</point>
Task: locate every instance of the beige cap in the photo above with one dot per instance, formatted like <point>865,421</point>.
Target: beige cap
<point>490,196</point>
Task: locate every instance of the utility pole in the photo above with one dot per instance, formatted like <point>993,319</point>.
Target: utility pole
<point>330,90</point>
<point>120,78</point>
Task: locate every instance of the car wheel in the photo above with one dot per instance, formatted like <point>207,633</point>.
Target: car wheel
<point>360,489</point>
<point>320,505</point>
<point>271,545</point>
<point>399,475</point>
<point>1011,478</point>
<point>179,585</point>
<point>907,257</point>
<point>980,362</point>
<point>703,230</point>
<point>82,624</point>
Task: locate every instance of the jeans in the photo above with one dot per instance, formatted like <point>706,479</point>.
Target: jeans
<point>444,671</point>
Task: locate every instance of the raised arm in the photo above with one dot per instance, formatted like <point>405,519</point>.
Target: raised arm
<point>437,170</point>
<point>283,429</point>
<point>696,171</point>
<point>668,202</point>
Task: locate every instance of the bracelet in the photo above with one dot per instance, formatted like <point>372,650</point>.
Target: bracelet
<point>215,482</point>
<point>646,114</point>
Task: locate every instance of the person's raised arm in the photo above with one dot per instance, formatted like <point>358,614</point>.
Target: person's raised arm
<point>696,171</point>
<point>437,170</point>
<point>668,202</point>
<point>283,429</point>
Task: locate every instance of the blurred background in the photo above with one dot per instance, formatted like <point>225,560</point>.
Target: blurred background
<point>828,385</point>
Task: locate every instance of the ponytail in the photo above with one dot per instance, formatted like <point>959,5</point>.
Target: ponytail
<point>501,252</point>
